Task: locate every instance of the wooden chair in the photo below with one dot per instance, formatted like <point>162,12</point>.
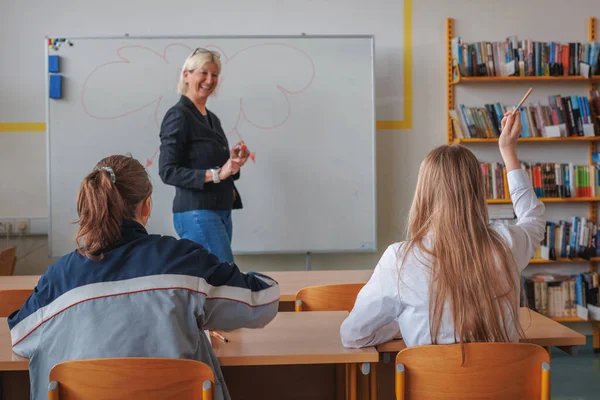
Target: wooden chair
<point>12,299</point>
<point>328,297</point>
<point>8,261</point>
<point>131,378</point>
<point>491,371</point>
<point>340,297</point>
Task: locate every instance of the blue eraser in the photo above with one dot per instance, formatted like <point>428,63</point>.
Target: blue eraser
<point>53,63</point>
<point>55,86</point>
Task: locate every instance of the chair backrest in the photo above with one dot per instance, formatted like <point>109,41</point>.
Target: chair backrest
<point>491,371</point>
<point>328,297</point>
<point>131,378</point>
<point>8,260</point>
<point>12,299</point>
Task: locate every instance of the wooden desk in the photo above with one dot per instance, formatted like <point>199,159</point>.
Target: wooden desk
<point>292,338</point>
<point>296,353</point>
<point>19,282</point>
<point>538,329</point>
<point>294,349</point>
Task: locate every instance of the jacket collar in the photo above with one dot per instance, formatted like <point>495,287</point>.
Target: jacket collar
<point>186,102</point>
<point>131,230</point>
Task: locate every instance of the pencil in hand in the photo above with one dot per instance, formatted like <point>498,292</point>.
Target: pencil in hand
<point>219,336</point>
<point>522,101</point>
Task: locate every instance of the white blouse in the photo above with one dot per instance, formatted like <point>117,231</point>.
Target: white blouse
<point>390,305</point>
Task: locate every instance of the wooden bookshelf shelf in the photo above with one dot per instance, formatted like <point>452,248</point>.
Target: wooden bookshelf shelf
<point>592,83</point>
<point>475,79</point>
<point>563,260</point>
<point>551,200</point>
<point>533,139</point>
<point>568,319</point>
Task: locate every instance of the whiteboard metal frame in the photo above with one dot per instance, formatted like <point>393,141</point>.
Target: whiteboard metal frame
<point>47,94</point>
<point>307,252</point>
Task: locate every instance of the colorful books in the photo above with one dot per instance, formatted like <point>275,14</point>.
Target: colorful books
<point>564,116</point>
<point>513,57</point>
<point>559,295</point>
<point>550,180</point>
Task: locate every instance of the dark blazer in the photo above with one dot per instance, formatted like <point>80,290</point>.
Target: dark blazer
<point>188,147</point>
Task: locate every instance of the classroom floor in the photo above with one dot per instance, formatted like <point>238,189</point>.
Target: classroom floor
<point>576,378</point>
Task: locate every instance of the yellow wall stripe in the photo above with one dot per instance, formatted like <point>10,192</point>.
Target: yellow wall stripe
<point>22,127</point>
<point>408,62</point>
<point>406,123</point>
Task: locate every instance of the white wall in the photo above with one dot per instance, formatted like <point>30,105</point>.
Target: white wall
<point>22,24</point>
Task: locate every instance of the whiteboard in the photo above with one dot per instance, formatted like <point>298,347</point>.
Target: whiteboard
<point>303,104</point>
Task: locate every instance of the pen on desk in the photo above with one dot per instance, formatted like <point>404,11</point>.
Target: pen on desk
<point>219,336</point>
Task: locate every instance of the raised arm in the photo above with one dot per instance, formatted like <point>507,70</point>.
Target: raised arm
<point>524,237</point>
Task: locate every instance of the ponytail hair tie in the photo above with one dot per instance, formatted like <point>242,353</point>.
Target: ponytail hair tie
<point>110,171</point>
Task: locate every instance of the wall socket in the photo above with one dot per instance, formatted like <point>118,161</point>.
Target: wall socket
<point>21,226</point>
<point>14,227</point>
<point>6,227</point>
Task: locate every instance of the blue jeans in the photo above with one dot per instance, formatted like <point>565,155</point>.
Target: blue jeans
<point>210,228</point>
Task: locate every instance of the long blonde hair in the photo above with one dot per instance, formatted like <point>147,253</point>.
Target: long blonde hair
<point>472,268</point>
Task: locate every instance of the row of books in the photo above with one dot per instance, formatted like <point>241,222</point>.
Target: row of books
<point>559,295</point>
<point>574,238</point>
<point>550,180</point>
<point>514,57</point>
<point>562,117</point>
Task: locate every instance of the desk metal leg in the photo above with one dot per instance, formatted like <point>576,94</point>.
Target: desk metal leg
<point>570,350</point>
<point>352,381</point>
<point>347,376</point>
<point>340,382</point>
<point>596,328</point>
<point>363,381</point>
<point>373,382</point>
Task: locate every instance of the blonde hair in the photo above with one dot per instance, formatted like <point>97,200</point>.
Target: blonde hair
<point>472,268</point>
<point>195,61</point>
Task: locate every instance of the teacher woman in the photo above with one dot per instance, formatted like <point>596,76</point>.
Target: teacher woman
<point>196,159</point>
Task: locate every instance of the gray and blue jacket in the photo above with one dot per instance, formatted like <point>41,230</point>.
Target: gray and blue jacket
<point>150,296</point>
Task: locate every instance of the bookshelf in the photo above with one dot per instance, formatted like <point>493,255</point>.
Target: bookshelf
<point>552,200</point>
<point>452,82</point>
<point>534,139</point>
<point>487,79</point>
<point>568,319</point>
<point>562,260</point>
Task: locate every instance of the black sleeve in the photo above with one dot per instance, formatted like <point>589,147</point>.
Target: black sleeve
<point>173,138</point>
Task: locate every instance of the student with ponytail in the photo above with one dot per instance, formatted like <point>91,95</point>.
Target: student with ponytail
<point>456,279</point>
<point>126,293</point>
